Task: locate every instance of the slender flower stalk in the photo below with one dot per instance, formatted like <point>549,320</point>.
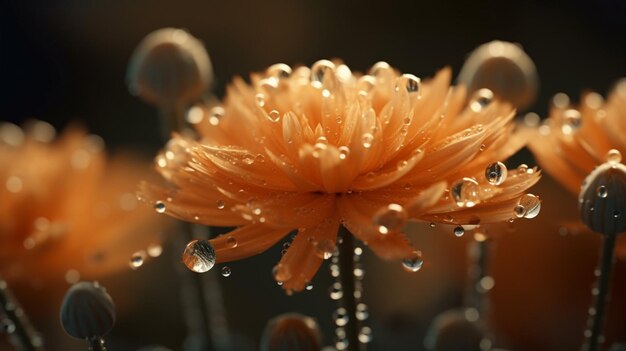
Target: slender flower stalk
<point>349,298</point>
<point>21,333</point>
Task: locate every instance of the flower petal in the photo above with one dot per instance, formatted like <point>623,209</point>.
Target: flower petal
<point>246,241</point>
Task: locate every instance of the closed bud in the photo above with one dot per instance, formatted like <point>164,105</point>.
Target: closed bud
<point>602,199</point>
<point>169,67</point>
<point>87,311</point>
<point>291,332</point>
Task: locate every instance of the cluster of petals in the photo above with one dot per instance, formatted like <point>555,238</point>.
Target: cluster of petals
<point>311,149</point>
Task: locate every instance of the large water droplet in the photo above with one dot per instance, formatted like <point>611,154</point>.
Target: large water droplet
<point>390,219</point>
<point>226,271</point>
<point>496,173</point>
<point>367,139</point>
<point>481,99</point>
<point>459,231</point>
<point>159,206</point>
<point>199,256</point>
<point>408,82</point>
<point>571,121</point>
<point>319,70</point>
<point>613,156</point>
<point>528,206</point>
<point>137,259</point>
<point>465,192</point>
<point>414,262</point>
<point>278,71</point>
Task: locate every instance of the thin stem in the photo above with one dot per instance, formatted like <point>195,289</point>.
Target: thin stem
<point>602,285</point>
<point>346,278</point>
<point>23,336</point>
<point>478,253</point>
<point>96,344</point>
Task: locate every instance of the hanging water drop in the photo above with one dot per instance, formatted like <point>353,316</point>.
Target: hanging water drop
<point>390,219</point>
<point>414,262</point>
<point>226,271</point>
<point>459,231</point>
<point>309,286</point>
<point>199,256</point>
<point>137,259</point>
<point>465,192</point>
<point>531,205</point>
<point>159,206</point>
<point>496,173</point>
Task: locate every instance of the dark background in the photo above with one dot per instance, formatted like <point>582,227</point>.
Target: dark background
<point>63,61</point>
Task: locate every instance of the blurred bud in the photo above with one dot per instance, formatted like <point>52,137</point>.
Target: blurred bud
<point>505,69</point>
<point>454,331</point>
<point>169,67</point>
<point>87,311</point>
<point>291,332</point>
<point>602,199</point>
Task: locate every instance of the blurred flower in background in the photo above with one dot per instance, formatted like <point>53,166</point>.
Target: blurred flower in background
<point>66,211</point>
<point>311,149</point>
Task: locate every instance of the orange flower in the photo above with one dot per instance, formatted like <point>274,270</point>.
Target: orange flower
<point>65,210</point>
<point>573,141</point>
<point>313,149</point>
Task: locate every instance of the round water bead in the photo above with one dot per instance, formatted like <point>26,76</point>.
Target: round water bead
<point>459,231</point>
<point>199,256</point>
<point>528,206</point>
<point>226,271</point>
<point>481,99</point>
<point>496,173</point>
<point>613,156</point>
<point>408,82</point>
<point>414,262</point>
<point>159,206</point>
<point>391,218</point>
<point>465,192</point>
<point>137,259</point>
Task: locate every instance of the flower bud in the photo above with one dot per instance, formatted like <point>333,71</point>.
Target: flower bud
<point>291,332</point>
<point>602,199</point>
<point>505,69</point>
<point>87,311</point>
<point>169,67</point>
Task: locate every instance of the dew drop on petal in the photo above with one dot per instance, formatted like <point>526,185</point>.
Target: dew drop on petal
<point>325,248</point>
<point>319,71</point>
<point>496,173</point>
<point>260,99</point>
<point>159,206</point>
<point>571,121</point>
<point>366,84</point>
<point>409,82</point>
<point>366,140</point>
<point>199,256</point>
<point>614,156</point>
<point>465,192</point>
<point>344,152</point>
<point>226,271</point>
<point>413,263</point>
<point>278,71</point>
<point>273,116</point>
<point>137,259</point>
<point>481,99</point>
<point>530,206</point>
<point>459,231</point>
<point>390,219</point>
<point>231,242</point>
<point>220,204</point>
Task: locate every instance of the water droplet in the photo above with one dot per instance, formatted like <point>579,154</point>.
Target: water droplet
<point>528,206</point>
<point>413,263</point>
<point>195,115</point>
<point>481,99</point>
<point>344,152</point>
<point>154,250</point>
<point>248,159</point>
<point>7,326</point>
<point>496,173</point>
<point>409,82</point>
<point>367,139</point>
<point>216,115</point>
<point>159,206</point>
<point>365,335</point>
<point>366,84</point>
<point>199,256</point>
<point>281,272</point>
<point>325,248</point>
<point>390,219</point>
<point>571,121</point>
<point>601,191</point>
<point>220,204</point>
<point>226,271</point>
<point>274,116</point>
<point>336,291</point>
<point>362,312</point>
<point>319,70</point>
<point>341,317</point>
<point>137,259</point>
<point>260,99</point>
<point>459,231</point>
<point>309,286</point>
<point>614,156</point>
<point>278,71</point>
<point>465,192</point>
<point>231,242</point>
